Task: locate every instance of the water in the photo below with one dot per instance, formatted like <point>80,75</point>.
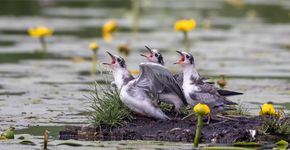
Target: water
<point>248,42</point>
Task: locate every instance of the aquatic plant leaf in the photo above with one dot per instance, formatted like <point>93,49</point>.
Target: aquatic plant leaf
<point>9,133</point>
<point>2,137</point>
<point>280,147</point>
<point>225,148</point>
<point>247,144</point>
<point>27,142</point>
<point>70,143</point>
<point>282,142</point>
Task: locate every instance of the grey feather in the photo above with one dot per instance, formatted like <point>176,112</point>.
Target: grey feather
<point>208,94</point>
<point>179,78</point>
<point>156,79</point>
<point>210,88</point>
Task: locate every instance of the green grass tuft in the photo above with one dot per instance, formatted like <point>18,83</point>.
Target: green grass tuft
<point>107,108</point>
<point>273,125</point>
<point>276,124</point>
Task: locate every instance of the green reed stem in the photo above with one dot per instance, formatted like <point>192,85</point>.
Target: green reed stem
<point>198,130</point>
<point>43,44</point>
<point>94,63</point>
<point>186,41</point>
<point>135,15</point>
<point>45,140</point>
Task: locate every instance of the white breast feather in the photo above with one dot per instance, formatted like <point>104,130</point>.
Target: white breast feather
<point>188,89</point>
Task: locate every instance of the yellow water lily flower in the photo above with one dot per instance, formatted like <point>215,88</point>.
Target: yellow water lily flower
<point>135,72</point>
<point>108,28</point>
<point>185,25</point>
<point>107,36</point>
<point>94,46</point>
<point>40,31</point>
<point>268,109</point>
<point>124,49</point>
<point>222,82</point>
<point>201,109</point>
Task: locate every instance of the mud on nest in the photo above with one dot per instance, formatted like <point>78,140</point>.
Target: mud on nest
<point>219,130</point>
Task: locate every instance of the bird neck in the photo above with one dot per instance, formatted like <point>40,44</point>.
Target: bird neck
<point>189,72</point>
<point>122,76</point>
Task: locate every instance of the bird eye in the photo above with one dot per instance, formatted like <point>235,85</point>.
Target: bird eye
<point>156,55</point>
<point>118,59</point>
<point>187,56</point>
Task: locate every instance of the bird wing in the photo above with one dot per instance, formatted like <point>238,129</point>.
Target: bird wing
<point>214,101</point>
<point>209,94</point>
<point>228,92</point>
<point>179,78</point>
<point>209,99</point>
<point>204,87</point>
<point>155,78</point>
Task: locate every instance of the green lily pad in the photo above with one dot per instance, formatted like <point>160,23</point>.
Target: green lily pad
<point>282,142</point>
<point>27,142</point>
<point>70,143</point>
<point>8,133</point>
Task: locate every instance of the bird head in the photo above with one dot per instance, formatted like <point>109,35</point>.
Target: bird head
<point>117,62</point>
<point>153,55</point>
<point>185,59</point>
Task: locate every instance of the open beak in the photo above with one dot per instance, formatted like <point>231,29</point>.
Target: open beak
<point>113,59</point>
<point>181,60</point>
<point>143,55</point>
<point>150,54</point>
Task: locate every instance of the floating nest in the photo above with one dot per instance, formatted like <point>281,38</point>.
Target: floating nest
<point>220,130</point>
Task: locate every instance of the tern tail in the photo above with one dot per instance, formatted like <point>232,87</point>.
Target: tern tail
<point>228,93</point>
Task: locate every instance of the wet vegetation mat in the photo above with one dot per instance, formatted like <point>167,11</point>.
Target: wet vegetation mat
<point>111,121</point>
<point>224,130</point>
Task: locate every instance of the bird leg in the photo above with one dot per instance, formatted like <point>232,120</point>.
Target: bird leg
<point>208,119</point>
<point>158,102</point>
<point>157,99</point>
<point>172,108</point>
<point>176,115</point>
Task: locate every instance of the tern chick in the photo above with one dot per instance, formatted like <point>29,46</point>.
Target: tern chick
<point>172,92</point>
<point>197,91</point>
<point>134,92</point>
<point>155,56</point>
